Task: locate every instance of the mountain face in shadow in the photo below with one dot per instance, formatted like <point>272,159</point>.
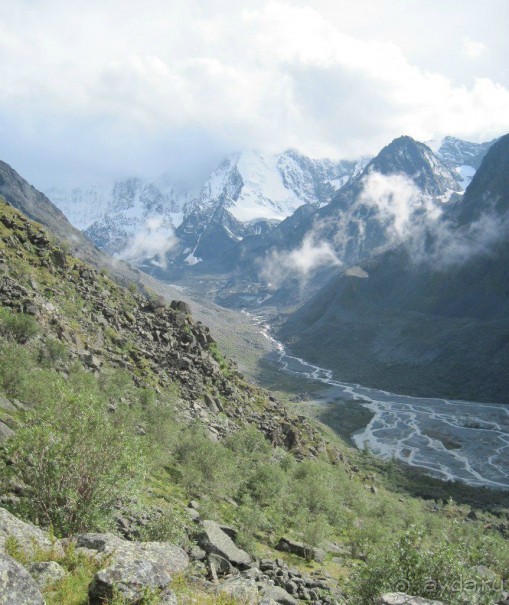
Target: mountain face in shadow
<point>436,326</point>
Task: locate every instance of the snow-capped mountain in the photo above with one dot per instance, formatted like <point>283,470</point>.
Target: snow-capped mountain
<point>403,183</point>
<point>137,211</point>
<point>82,205</point>
<point>250,193</point>
<point>463,157</point>
<point>247,194</point>
<point>118,215</point>
<point>254,186</point>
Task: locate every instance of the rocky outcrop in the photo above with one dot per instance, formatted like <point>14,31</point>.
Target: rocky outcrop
<point>314,588</point>
<point>171,558</point>
<point>17,587</point>
<point>5,432</point>
<point>278,594</point>
<point>242,590</point>
<point>215,541</point>
<point>26,537</point>
<point>46,573</point>
<point>300,549</point>
<point>130,580</point>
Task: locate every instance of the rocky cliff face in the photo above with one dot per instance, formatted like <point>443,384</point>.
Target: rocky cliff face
<point>416,160</point>
<point>462,157</point>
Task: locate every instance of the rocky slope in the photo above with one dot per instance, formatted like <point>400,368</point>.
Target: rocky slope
<point>463,157</point>
<point>440,321</point>
<point>159,344</point>
<point>134,571</point>
<point>104,326</point>
<point>36,206</point>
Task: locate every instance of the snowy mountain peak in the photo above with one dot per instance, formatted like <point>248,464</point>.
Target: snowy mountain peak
<point>416,160</point>
<point>250,192</point>
<point>463,157</point>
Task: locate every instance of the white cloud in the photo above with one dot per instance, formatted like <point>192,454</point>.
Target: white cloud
<point>153,241</point>
<point>300,263</point>
<point>399,203</point>
<point>420,224</point>
<point>473,49</point>
<point>115,86</point>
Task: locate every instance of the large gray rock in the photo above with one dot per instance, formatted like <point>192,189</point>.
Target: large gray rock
<point>219,566</point>
<point>28,537</point>
<point>5,432</point>
<point>241,590</point>
<point>129,579</point>
<point>47,573</point>
<point>214,540</point>
<point>17,587</point>
<point>400,598</point>
<point>278,594</point>
<point>172,558</point>
<point>300,549</point>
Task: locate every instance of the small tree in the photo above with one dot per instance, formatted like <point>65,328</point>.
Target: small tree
<point>76,458</point>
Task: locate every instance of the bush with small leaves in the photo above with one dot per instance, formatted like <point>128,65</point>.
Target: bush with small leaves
<point>77,459</point>
<point>16,365</point>
<point>434,570</point>
<point>52,352</point>
<point>18,326</point>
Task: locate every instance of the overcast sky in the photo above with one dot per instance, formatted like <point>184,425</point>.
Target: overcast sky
<point>99,88</point>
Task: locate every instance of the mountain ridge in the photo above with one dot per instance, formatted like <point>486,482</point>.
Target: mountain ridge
<point>407,325</point>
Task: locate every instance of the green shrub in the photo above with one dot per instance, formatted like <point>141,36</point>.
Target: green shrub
<point>18,326</point>
<point>205,467</point>
<point>266,484</point>
<point>16,365</point>
<point>170,526</point>
<point>52,352</point>
<point>77,458</point>
<point>413,565</point>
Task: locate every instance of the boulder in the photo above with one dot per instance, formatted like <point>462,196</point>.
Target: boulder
<point>5,432</point>
<point>214,540</point>
<point>168,598</point>
<point>400,598</point>
<point>29,538</point>
<point>233,532</point>
<point>172,558</point>
<point>219,566</point>
<point>6,405</point>
<point>180,305</point>
<point>240,590</point>
<point>17,587</point>
<point>193,514</point>
<point>128,579</point>
<point>277,594</point>
<point>300,549</point>
<point>47,573</point>
<point>196,553</point>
